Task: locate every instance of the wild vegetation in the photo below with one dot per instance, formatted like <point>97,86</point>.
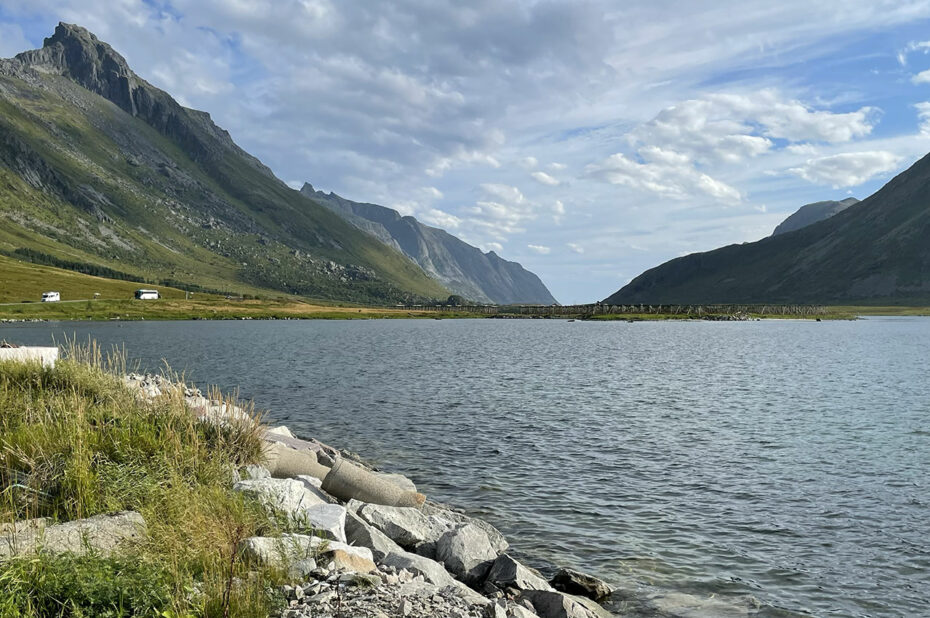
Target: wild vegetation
<point>162,194</point>
<point>75,443</point>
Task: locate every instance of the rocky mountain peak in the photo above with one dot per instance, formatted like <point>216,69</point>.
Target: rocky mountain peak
<point>76,53</point>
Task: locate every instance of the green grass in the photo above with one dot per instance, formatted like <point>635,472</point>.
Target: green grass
<point>77,443</point>
<point>888,310</point>
<point>25,282</point>
<point>158,210</point>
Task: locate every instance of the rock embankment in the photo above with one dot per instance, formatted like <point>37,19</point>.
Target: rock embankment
<point>378,547</point>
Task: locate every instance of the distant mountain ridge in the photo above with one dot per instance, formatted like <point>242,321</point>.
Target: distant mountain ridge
<point>100,168</point>
<point>464,269</point>
<point>812,213</point>
<point>875,251</point>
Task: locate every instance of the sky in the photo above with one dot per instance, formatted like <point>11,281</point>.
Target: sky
<point>587,140</point>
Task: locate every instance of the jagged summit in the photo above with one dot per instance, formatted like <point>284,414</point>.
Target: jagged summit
<point>78,54</point>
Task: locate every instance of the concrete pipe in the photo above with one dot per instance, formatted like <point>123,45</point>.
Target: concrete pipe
<point>284,462</point>
<point>347,481</point>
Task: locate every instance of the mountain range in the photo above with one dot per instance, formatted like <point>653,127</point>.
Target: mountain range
<point>876,251</point>
<point>464,269</point>
<point>102,172</point>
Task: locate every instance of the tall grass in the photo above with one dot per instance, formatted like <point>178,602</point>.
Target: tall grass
<point>76,442</point>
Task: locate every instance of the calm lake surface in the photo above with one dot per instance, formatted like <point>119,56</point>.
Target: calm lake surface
<point>784,463</point>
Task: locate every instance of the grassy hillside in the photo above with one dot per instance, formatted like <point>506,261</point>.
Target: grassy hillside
<point>25,282</point>
<point>161,193</point>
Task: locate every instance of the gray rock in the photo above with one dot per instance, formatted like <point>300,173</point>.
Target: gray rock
<point>467,552</point>
<point>406,526</point>
<point>255,472</point>
<point>301,568</point>
<point>280,430</point>
<point>102,534</point>
<point>285,550</point>
<point>582,584</point>
<point>350,558</point>
<point>314,485</point>
<point>498,609</point>
<point>552,604</point>
<point>498,542</point>
<point>508,573</point>
<point>300,501</point>
<point>518,611</point>
<point>432,572</point>
<point>360,533</point>
<point>326,519</point>
<point>298,551</point>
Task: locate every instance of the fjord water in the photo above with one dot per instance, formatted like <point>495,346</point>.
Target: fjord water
<point>781,464</point>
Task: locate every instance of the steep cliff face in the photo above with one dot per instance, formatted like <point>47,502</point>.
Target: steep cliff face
<point>100,166</point>
<point>464,269</point>
<point>875,251</point>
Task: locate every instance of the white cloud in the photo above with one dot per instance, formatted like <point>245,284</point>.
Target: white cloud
<point>558,211</point>
<point>496,247</point>
<point>678,150</point>
<point>923,46</point>
<point>923,115</point>
<point>502,212</point>
<point>921,78</point>
<point>545,179</point>
<point>847,169</point>
<point>802,149</point>
<point>441,219</point>
<point>12,40</point>
<point>731,127</point>
<point>529,163</point>
<point>541,249</point>
<point>575,247</point>
<point>556,167</point>
<point>669,176</point>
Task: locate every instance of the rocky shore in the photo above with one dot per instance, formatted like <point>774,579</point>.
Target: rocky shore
<point>378,547</point>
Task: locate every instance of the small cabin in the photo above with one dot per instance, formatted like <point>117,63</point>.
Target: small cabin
<point>51,297</point>
<point>147,295</point>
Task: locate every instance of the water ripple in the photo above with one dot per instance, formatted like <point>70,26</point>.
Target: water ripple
<point>777,466</point>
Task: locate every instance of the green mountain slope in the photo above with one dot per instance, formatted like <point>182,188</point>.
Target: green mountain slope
<point>876,251</point>
<point>464,269</point>
<point>99,167</point>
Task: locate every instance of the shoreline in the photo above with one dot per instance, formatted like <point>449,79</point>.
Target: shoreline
<point>320,533</point>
